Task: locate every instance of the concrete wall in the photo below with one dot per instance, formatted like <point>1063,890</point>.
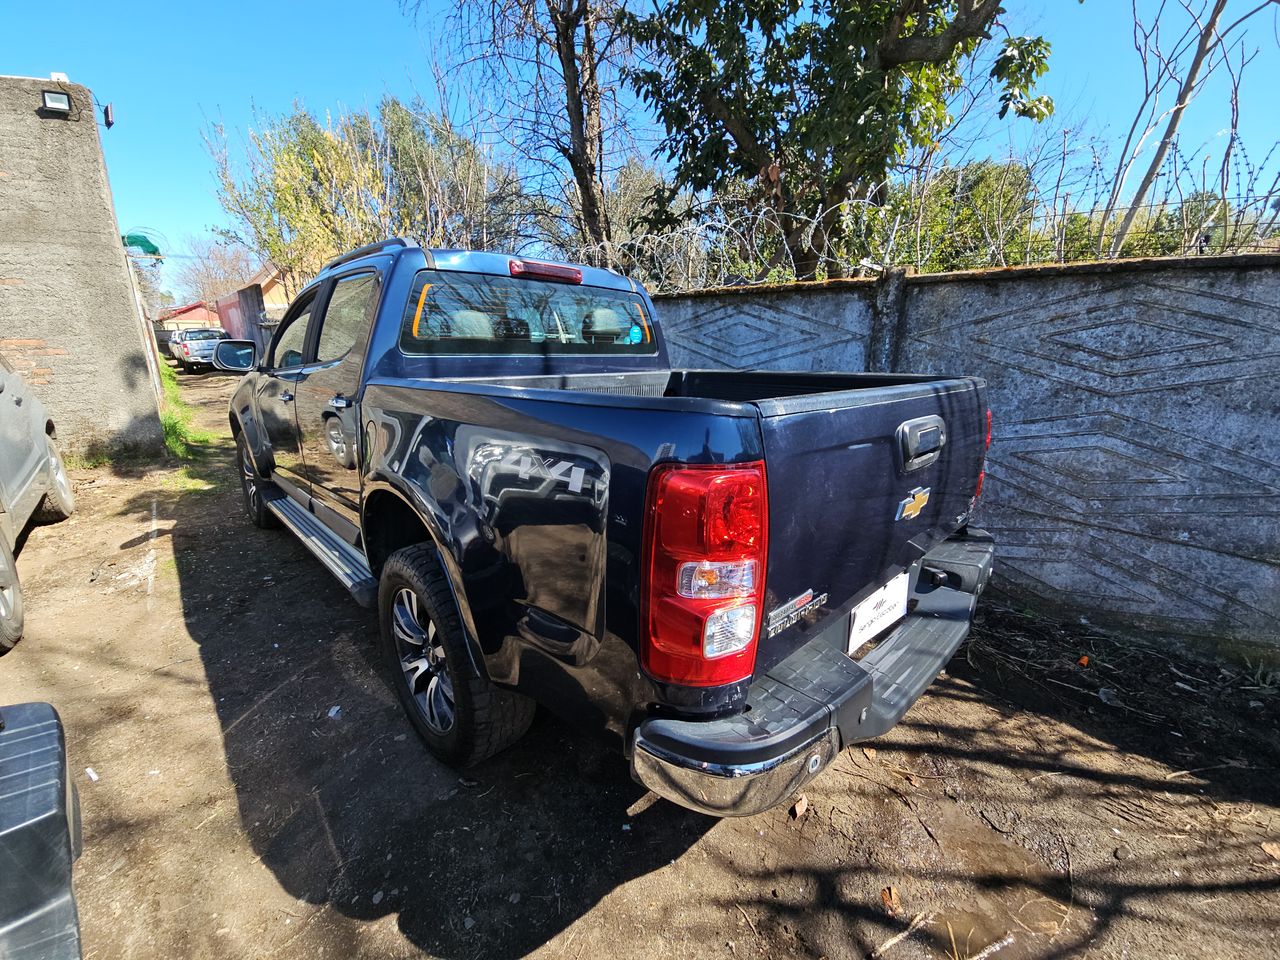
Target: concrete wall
<point>69,319</point>
<point>1134,477</point>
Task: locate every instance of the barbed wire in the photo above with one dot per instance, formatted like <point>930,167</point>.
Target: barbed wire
<point>732,245</point>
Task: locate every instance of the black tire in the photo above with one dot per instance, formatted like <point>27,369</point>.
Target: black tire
<point>10,600</point>
<point>60,502</point>
<point>485,718</point>
<point>251,488</point>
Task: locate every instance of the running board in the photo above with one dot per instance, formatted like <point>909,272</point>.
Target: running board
<point>342,559</point>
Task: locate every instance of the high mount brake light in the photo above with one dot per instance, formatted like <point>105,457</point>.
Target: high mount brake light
<point>538,270</point>
<point>705,548</point>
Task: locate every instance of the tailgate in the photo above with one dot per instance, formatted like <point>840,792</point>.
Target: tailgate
<point>862,483</point>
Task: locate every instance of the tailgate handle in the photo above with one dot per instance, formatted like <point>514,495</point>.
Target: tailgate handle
<point>920,441</point>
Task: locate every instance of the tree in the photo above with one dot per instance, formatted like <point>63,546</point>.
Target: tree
<point>306,191</point>
<point>813,103</point>
<point>1181,67</point>
<point>555,68</point>
<point>213,267</point>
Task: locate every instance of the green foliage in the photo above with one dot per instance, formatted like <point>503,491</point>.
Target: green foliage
<point>181,439</point>
<point>813,103</point>
<point>310,190</point>
<point>1021,62</point>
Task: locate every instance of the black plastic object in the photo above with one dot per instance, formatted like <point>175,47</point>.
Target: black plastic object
<point>39,837</point>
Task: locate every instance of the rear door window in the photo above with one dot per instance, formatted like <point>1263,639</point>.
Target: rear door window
<point>348,315</point>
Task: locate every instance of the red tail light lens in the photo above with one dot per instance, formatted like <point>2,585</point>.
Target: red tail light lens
<point>186,349</point>
<point>982,474</point>
<point>705,547</point>
<point>539,270</point>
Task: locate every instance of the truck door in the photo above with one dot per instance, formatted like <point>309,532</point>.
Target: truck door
<point>328,419</point>
<point>278,391</point>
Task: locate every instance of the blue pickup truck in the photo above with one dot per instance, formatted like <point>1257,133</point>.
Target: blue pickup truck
<point>731,574</point>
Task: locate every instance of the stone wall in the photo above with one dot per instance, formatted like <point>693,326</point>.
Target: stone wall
<point>1134,476</point>
<point>69,320</point>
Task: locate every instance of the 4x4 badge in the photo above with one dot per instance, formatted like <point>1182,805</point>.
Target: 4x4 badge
<point>913,503</point>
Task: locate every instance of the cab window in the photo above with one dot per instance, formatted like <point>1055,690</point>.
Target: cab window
<point>291,341</point>
<point>348,315</point>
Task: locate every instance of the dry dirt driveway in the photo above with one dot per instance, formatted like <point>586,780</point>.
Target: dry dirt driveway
<point>258,794</point>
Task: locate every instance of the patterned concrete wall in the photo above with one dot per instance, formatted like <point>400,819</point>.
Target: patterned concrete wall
<point>776,329</point>
<point>1134,478</point>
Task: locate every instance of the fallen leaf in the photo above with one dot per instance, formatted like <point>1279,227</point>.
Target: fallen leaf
<point>870,752</point>
<point>1083,661</point>
<point>799,807</point>
<point>1272,849</point>
<point>892,904</point>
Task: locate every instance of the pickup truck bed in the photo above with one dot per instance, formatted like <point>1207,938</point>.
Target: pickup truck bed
<point>733,573</point>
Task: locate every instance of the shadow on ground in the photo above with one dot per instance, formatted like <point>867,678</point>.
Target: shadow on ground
<point>336,793</point>
<point>1014,801</point>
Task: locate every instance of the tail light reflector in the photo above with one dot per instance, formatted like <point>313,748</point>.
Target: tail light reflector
<point>186,349</point>
<point>705,547</point>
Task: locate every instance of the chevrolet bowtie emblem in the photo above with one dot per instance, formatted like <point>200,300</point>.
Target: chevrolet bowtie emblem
<point>914,502</point>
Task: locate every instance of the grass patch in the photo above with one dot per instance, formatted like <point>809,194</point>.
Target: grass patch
<point>180,438</point>
<point>188,480</point>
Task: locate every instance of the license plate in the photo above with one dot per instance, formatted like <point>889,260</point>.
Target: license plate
<point>878,612</point>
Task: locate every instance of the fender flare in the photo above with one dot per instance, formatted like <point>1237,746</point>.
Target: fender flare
<point>254,438</point>
<point>406,494</point>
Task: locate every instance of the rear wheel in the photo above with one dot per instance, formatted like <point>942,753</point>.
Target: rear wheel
<point>59,502</point>
<point>460,715</point>
<point>255,506</point>
<point>10,600</point>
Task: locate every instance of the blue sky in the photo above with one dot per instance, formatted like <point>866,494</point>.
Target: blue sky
<point>170,68</point>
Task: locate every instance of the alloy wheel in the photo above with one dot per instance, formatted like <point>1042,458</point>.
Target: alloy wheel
<point>422,660</point>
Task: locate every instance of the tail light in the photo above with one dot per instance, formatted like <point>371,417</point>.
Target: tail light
<point>186,349</point>
<point>982,473</point>
<point>705,547</point>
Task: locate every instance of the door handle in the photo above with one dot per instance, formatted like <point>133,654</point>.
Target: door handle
<point>286,397</point>
<point>340,402</point>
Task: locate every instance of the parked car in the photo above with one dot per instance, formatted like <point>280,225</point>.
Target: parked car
<point>40,837</point>
<point>34,486</point>
<point>733,574</point>
<point>194,348</point>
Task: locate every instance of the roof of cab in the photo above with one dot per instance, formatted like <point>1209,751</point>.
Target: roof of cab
<point>469,261</point>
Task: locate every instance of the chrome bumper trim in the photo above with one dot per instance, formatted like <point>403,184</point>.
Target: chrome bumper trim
<point>727,790</point>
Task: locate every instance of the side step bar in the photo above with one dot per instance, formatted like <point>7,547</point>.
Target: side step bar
<point>342,560</point>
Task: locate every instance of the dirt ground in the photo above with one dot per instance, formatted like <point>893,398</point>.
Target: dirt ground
<point>256,792</point>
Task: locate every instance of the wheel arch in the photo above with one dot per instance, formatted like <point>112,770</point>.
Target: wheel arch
<point>389,521</point>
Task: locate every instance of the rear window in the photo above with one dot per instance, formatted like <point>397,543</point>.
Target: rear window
<point>470,313</point>
<point>206,335</point>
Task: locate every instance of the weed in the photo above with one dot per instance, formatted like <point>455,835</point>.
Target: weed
<point>180,438</point>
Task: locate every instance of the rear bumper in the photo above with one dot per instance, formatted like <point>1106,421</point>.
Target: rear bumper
<point>817,701</point>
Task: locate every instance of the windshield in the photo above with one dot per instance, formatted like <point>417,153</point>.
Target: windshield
<point>206,335</point>
<point>472,313</point>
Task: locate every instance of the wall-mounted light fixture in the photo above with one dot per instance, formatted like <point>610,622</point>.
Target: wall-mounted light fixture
<point>56,101</point>
<point>109,116</point>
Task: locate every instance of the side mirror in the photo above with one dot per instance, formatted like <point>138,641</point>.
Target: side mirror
<point>235,356</point>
